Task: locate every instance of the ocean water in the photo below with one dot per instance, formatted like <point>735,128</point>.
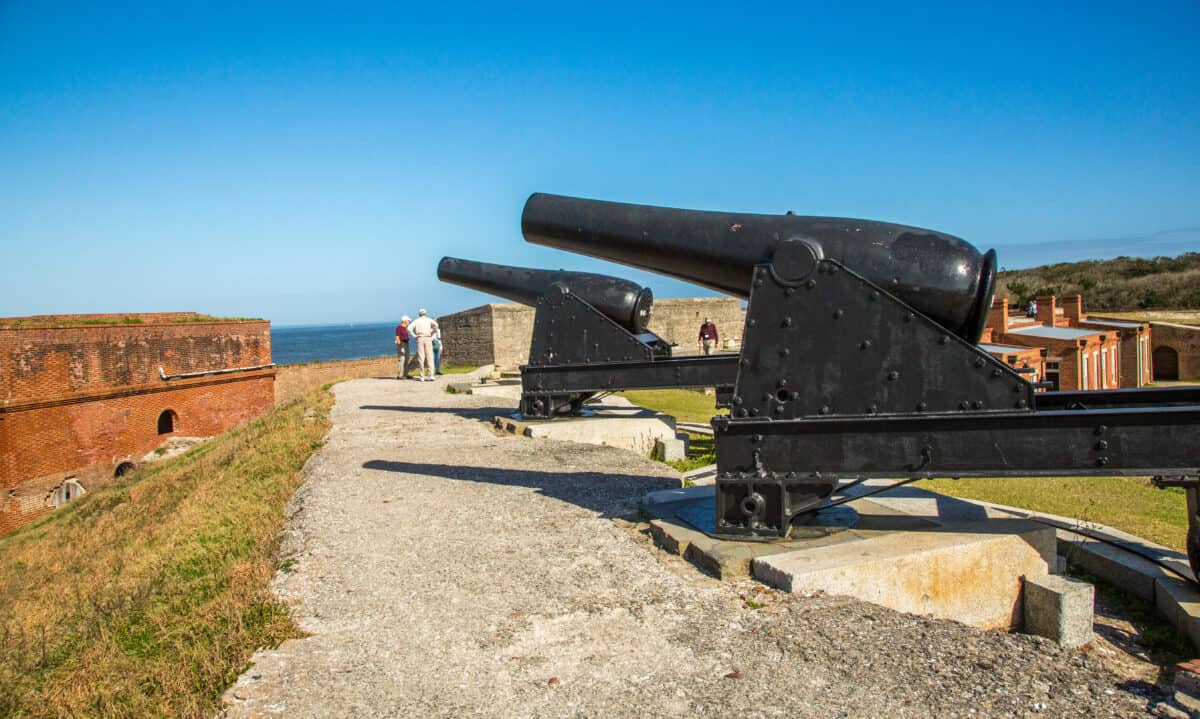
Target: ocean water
<point>323,343</point>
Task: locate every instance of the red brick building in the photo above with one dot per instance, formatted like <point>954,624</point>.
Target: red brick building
<point>85,397</point>
<point>1074,352</point>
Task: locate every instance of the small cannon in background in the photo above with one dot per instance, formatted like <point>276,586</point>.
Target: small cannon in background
<point>859,360</point>
<point>589,336</point>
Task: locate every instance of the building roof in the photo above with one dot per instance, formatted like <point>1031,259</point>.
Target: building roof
<point>1004,349</point>
<point>1114,323</point>
<point>1054,333</point>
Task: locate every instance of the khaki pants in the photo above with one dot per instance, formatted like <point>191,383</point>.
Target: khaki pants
<point>425,356</point>
<point>708,346</point>
<point>401,360</point>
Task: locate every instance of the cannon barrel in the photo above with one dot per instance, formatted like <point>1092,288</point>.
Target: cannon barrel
<point>940,275</point>
<point>622,301</point>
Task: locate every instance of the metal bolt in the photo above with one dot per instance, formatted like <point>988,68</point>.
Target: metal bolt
<point>758,283</point>
<point>789,292</point>
<point>979,362</point>
<point>751,322</point>
<point>741,412</point>
<point>996,372</point>
<point>964,405</point>
<point>893,375</point>
<point>864,344</point>
<point>795,394</point>
<point>787,321</point>
<point>1102,461</point>
<point>874,295</point>
<point>824,409</point>
<point>921,406</point>
<point>837,314</point>
<point>1022,404</point>
<point>1101,429</point>
<point>754,412</point>
<point>909,317</point>
<point>873,408</point>
<point>810,284</point>
<point>778,409</point>
<point>737,400</point>
<point>766,397</point>
<point>756,438</point>
<point>744,362</point>
<point>977,404</point>
<point>781,383</point>
<point>784,352</point>
<point>1102,444</point>
<point>944,339</point>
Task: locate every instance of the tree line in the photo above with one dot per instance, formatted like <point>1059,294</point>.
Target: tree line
<point>1123,283</point>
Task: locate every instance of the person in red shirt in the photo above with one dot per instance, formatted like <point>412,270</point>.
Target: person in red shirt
<point>708,337</point>
<point>402,348</point>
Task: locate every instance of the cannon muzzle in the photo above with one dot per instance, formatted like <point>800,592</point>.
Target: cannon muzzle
<point>940,275</point>
<point>622,301</point>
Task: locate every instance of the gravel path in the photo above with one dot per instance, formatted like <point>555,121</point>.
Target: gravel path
<point>445,571</point>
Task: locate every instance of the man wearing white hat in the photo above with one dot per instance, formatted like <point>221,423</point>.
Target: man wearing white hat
<point>423,328</point>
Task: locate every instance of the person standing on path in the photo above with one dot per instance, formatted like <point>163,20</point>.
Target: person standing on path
<point>708,337</point>
<point>402,348</point>
<point>423,328</point>
<point>437,351</point>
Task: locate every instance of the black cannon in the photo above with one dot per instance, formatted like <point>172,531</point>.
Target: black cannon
<point>589,336</point>
<point>859,360</point>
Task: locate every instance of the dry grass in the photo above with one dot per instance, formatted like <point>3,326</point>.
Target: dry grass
<point>146,597</point>
<point>1181,317</point>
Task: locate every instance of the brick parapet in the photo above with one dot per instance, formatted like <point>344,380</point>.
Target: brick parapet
<point>40,363</point>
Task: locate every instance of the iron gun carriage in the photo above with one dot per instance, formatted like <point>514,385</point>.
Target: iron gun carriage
<point>859,359</point>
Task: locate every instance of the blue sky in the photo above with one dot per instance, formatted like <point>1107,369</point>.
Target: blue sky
<point>312,164</point>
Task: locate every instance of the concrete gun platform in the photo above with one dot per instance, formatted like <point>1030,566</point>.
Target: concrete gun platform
<point>614,423</point>
<point>912,551</point>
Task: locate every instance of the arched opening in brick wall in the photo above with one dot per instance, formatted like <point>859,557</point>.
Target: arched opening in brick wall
<point>68,490</point>
<point>166,421</point>
<point>123,469</point>
<point>1166,363</point>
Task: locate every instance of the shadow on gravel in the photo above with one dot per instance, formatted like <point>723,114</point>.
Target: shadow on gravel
<point>607,494</point>
<point>484,413</point>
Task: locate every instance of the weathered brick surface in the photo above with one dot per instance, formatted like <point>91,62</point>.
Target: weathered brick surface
<point>1184,340</point>
<point>80,400</point>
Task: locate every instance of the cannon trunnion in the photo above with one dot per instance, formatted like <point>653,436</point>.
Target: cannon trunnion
<point>858,360</point>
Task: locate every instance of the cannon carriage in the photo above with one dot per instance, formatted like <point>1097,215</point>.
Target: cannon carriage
<point>859,360</point>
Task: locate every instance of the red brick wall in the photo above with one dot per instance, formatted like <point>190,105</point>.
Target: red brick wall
<point>41,363</point>
<point>80,400</point>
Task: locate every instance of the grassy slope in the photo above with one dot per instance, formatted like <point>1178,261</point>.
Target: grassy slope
<point>146,597</point>
<point>1128,503</point>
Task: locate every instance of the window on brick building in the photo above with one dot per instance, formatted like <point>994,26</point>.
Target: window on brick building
<point>1052,370</point>
<point>166,421</point>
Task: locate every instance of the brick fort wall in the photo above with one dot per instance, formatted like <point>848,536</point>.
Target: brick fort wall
<point>80,400</point>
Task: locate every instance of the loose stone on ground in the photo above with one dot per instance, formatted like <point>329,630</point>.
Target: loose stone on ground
<point>444,570</point>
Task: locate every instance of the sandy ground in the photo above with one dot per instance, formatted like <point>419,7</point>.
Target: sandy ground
<point>443,570</point>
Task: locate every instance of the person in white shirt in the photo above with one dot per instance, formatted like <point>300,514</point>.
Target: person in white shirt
<point>424,328</point>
